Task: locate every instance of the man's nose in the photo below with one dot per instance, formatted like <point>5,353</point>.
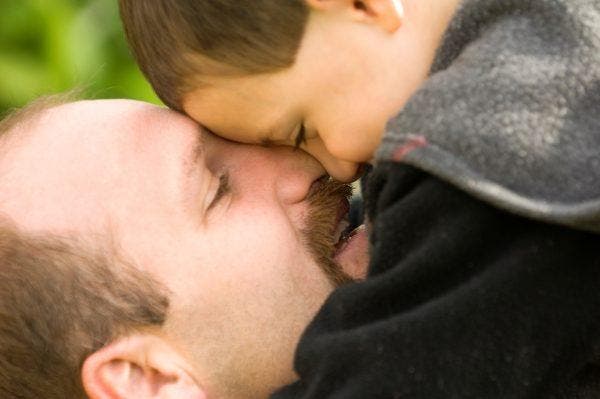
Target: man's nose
<point>286,172</point>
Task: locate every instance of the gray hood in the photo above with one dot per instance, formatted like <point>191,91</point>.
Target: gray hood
<point>511,111</point>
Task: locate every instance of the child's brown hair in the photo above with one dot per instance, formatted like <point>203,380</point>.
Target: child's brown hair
<point>175,42</point>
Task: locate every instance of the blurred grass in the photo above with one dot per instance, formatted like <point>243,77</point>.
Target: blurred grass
<point>50,46</point>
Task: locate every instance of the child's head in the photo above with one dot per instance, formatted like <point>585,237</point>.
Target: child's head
<point>322,74</point>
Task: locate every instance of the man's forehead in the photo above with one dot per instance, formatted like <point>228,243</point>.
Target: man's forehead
<point>55,129</point>
<point>54,168</point>
<point>57,118</point>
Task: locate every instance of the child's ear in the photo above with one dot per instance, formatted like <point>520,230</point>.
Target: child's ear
<point>388,14</point>
<point>140,367</point>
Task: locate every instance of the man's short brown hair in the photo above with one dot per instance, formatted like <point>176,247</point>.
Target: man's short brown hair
<point>177,41</point>
<point>61,300</point>
<point>59,303</point>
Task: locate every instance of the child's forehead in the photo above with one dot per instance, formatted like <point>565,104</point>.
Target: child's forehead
<point>246,84</point>
<point>252,110</point>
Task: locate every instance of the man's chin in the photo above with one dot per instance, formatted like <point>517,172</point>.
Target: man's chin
<point>353,255</point>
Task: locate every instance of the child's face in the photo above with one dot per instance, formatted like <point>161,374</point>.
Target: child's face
<point>348,80</point>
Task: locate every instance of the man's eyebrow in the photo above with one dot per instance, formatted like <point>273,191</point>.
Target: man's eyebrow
<point>198,146</point>
<point>194,157</point>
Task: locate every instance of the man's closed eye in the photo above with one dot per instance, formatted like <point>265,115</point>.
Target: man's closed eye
<point>221,191</point>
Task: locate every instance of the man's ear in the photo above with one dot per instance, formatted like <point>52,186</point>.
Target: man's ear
<point>139,367</point>
<point>388,14</point>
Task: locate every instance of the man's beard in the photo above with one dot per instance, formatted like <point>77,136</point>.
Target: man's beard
<point>325,201</point>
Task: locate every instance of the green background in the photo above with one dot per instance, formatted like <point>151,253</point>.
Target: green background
<point>51,46</point>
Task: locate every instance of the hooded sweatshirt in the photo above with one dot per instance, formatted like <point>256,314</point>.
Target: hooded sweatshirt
<point>484,279</point>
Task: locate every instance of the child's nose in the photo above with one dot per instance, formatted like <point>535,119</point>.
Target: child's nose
<point>343,171</point>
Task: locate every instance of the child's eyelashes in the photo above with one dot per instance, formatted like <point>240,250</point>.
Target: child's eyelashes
<point>300,137</point>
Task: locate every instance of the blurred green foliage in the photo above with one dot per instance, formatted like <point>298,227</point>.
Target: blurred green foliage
<point>50,46</point>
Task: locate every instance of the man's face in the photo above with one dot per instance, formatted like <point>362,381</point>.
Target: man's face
<point>224,226</point>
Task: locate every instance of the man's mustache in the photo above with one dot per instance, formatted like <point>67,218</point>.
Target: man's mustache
<point>326,199</point>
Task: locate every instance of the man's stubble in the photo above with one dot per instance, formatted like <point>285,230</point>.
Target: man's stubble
<point>325,202</point>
